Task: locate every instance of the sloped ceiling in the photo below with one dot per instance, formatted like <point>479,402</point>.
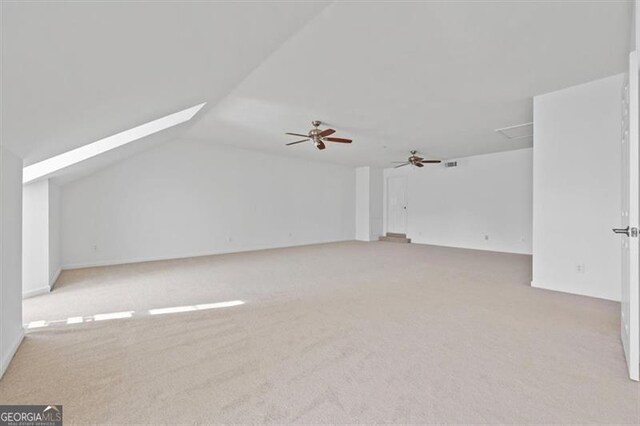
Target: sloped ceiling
<point>438,77</point>
<point>434,76</point>
<point>76,72</point>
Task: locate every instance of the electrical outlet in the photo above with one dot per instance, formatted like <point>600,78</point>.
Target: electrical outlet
<point>580,268</point>
<point>486,237</point>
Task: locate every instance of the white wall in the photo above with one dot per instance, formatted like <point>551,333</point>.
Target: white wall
<point>376,202</point>
<point>55,258</point>
<point>635,27</point>
<point>35,238</point>
<point>369,203</point>
<point>40,237</point>
<point>485,203</point>
<point>577,133</point>
<point>189,198</point>
<point>362,204</point>
<point>10,256</point>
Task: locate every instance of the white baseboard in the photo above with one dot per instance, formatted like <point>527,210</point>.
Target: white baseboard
<point>6,360</point>
<point>36,292</point>
<point>575,293</point>
<point>52,283</point>
<point>81,265</point>
<point>470,247</point>
<point>44,289</point>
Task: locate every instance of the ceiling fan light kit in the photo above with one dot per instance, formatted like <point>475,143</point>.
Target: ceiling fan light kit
<point>318,136</point>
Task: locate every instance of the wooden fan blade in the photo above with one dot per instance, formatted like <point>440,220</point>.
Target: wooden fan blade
<point>341,140</point>
<point>293,143</point>
<point>401,165</point>
<point>320,145</point>
<point>431,161</point>
<point>419,165</point>
<point>297,134</point>
<point>326,133</point>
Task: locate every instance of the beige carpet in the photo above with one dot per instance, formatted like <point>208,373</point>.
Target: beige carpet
<point>334,333</point>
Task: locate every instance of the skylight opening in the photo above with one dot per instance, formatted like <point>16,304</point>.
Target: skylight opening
<point>69,158</point>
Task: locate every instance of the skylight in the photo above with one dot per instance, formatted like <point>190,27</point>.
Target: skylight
<point>66,159</point>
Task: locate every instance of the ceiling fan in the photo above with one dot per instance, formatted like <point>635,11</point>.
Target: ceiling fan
<point>415,160</point>
<point>319,137</point>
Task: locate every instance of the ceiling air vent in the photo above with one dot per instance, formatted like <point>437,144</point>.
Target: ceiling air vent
<point>519,131</point>
<point>451,164</point>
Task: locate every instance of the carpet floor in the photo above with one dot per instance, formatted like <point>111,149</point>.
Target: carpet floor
<point>333,333</point>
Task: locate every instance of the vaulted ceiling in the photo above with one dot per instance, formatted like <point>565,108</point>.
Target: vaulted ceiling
<point>434,76</point>
<point>76,72</point>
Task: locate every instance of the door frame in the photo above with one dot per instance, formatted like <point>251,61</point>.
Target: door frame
<point>630,216</point>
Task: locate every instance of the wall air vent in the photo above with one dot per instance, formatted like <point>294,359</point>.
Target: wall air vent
<point>519,131</point>
<point>451,164</point>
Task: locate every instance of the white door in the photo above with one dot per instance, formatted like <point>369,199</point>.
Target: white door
<point>397,204</point>
<point>630,306</point>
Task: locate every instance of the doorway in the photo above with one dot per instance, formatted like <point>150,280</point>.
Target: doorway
<point>397,204</point>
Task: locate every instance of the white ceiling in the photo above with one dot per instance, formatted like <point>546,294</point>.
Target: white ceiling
<point>76,72</point>
<point>438,77</point>
<point>433,76</point>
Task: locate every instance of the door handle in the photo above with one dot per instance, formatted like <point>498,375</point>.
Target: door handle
<point>629,232</point>
<point>624,231</point>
